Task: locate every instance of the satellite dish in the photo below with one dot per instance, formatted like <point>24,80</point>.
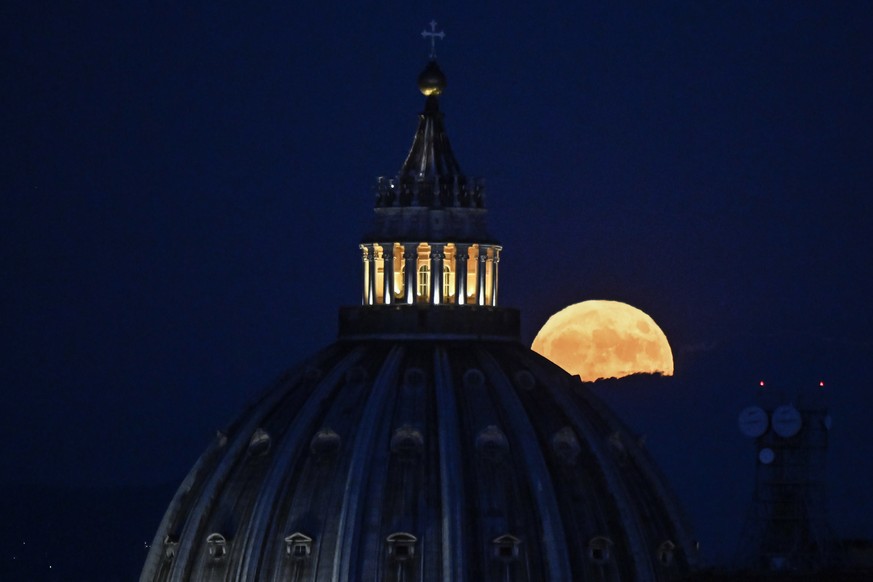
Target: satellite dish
<point>786,421</point>
<point>766,456</point>
<point>753,421</point>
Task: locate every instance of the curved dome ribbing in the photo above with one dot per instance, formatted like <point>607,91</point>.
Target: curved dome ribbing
<point>455,443</point>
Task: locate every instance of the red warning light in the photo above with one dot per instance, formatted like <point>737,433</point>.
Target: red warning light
<point>761,383</point>
<point>821,384</point>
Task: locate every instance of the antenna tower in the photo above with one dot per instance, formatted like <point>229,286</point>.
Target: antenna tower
<point>787,528</point>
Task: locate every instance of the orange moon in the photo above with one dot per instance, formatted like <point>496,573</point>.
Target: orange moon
<point>604,339</point>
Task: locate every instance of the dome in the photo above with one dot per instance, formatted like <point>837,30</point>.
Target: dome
<point>442,455</point>
<point>427,443</point>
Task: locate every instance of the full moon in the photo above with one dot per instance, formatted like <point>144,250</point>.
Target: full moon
<point>604,339</point>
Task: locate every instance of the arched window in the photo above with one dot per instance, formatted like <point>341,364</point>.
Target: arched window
<point>217,545</point>
<point>448,284</point>
<point>401,546</point>
<point>424,281</point>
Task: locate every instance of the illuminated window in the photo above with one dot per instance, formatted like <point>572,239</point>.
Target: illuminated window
<point>423,280</point>
<point>472,271</point>
<point>448,287</point>
<point>489,275</point>
<point>379,266</point>
<point>364,256</point>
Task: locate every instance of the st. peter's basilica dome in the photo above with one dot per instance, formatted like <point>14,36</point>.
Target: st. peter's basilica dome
<point>427,443</point>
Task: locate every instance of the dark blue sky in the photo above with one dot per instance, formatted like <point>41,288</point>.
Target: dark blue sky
<point>184,187</point>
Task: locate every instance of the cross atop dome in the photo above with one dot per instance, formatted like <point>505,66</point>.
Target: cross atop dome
<point>433,35</point>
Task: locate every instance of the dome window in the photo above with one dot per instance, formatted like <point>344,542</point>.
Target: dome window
<point>666,552</point>
<point>491,442</point>
<point>407,442</point>
<point>171,544</point>
<point>298,546</point>
<point>401,546</point>
<point>259,444</point>
<point>566,446</point>
<point>474,378</point>
<point>599,549</point>
<point>216,544</point>
<point>506,547</point>
<point>325,442</point>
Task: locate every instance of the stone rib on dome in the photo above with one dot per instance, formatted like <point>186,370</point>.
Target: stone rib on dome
<point>455,444</point>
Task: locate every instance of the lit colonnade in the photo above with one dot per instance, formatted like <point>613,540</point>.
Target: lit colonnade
<point>429,243</point>
<point>433,273</point>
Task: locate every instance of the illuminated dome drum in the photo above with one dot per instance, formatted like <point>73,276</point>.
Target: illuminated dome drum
<point>427,443</point>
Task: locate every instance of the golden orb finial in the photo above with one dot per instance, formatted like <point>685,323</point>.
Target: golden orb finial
<point>431,81</point>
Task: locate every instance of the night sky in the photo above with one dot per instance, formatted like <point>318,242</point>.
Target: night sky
<point>184,188</point>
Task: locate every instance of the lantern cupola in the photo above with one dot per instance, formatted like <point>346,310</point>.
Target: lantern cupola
<point>429,244</point>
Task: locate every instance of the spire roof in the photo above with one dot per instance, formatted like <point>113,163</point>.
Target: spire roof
<point>430,176</point>
<point>431,153</point>
<point>412,204</point>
